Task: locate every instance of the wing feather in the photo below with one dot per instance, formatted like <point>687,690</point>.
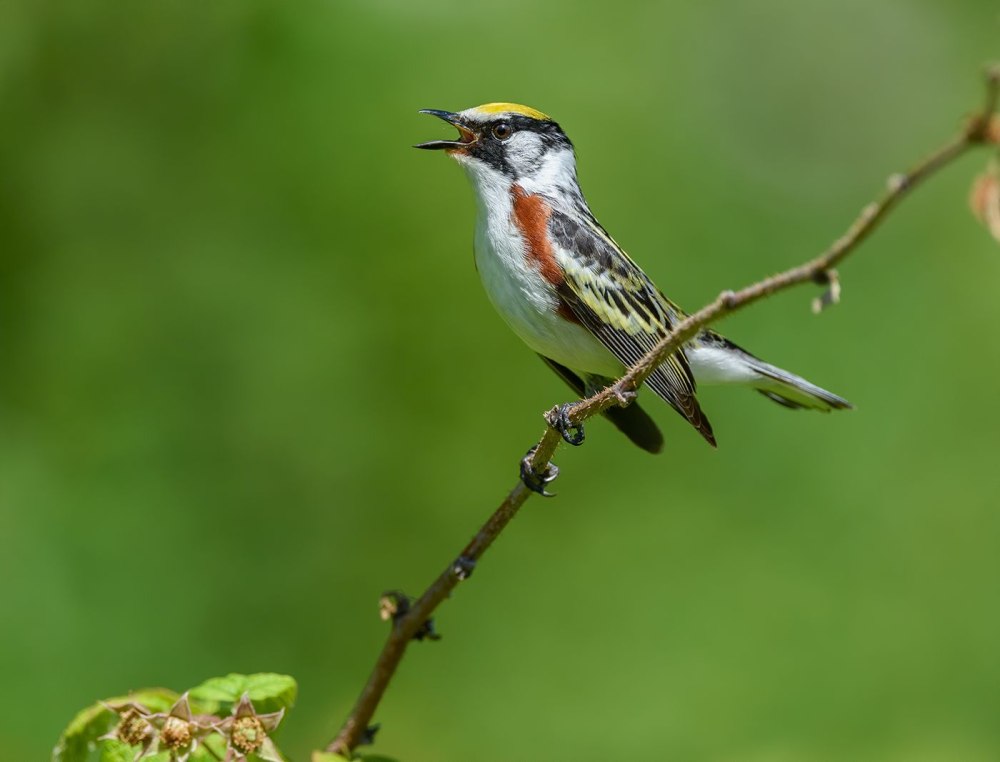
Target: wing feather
<point>613,298</point>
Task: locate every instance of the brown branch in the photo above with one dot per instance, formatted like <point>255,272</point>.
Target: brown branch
<point>978,130</point>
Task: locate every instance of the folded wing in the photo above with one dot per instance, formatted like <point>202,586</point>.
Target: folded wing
<point>608,293</point>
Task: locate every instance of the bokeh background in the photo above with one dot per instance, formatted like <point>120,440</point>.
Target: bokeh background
<point>249,380</point>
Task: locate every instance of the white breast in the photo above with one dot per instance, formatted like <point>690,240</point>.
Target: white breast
<point>524,298</point>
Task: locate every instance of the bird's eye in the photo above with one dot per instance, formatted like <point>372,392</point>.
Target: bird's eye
<point>502,130</point>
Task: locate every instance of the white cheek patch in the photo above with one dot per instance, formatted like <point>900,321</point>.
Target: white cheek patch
<point>524,152</point>
<point>556,170</point>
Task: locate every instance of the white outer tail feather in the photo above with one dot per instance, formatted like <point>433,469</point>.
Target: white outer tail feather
<point>727,363</point>
<point>788,389</point>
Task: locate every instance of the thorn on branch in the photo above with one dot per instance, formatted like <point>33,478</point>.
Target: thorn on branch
<point>983,128</point>
<point>831,294</point>
<point>463,567</point>
<point>728,299</point>
<point>395,605</point>
<point>535,480</point>
<point>427,631</point>
<point>991,134</point>
<point>897,182</point>
<point>368,736</point>
<point>559,419</point>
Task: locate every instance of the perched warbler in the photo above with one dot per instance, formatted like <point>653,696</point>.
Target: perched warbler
<point>569,291</point>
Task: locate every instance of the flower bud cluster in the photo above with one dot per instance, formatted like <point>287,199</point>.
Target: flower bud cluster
<point>179,732</point>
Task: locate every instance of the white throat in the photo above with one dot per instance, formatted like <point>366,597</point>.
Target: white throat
<point>525,300</point>
<point>553,176</point>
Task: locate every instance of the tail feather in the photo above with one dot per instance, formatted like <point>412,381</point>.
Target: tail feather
<point>794,391</point>
<point>783,401</point>
<point>635,423</point>
<point>718,360</point>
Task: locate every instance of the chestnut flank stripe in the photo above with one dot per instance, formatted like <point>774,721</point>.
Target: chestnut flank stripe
<point>531,214</point>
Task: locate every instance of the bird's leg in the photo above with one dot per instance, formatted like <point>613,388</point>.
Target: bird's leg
<point>625,397</point>
<point>558,418</point>
<point>596,384</point>
<point>534,480</point>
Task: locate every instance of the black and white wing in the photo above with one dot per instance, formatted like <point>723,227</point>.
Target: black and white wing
<point>610,296</point>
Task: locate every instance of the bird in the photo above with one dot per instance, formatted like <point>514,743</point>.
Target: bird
<point>572,294</point>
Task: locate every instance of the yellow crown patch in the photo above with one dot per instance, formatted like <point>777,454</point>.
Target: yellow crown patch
<point>512,108</point>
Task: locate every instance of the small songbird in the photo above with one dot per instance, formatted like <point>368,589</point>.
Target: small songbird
<point>569,291</point>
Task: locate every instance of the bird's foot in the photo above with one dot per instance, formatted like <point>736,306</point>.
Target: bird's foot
<point>625,397</point>
<point>558,418</point>
<point>534,480</point>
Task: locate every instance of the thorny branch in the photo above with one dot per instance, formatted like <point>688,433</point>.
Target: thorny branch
<point>411,624</point>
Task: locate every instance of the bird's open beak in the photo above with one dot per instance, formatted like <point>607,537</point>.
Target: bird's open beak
<point>466,136</point>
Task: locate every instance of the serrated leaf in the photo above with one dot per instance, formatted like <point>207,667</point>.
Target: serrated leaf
<point>268,691</point>
<point>89,724</point>
<point>219,690</point>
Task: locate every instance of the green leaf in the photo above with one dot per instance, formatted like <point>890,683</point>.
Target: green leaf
<point>80,735</point>
<point>269,692</point>
<point>154,699</point>
<point>325,756</point>
<point>213,747</point>
<point>88,725</point>
<point>219,690</point>
<point>116,751</point>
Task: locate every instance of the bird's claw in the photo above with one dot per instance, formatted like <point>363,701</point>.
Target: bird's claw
<point>558,418</point>
<point>534,480</point>
<point>625,397</point>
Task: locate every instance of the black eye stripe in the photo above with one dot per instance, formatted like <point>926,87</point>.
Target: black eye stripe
<point>492,148</point>
<point>550,132</point>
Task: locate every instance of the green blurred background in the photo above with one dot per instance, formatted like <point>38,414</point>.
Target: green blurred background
<point>249,379</point>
